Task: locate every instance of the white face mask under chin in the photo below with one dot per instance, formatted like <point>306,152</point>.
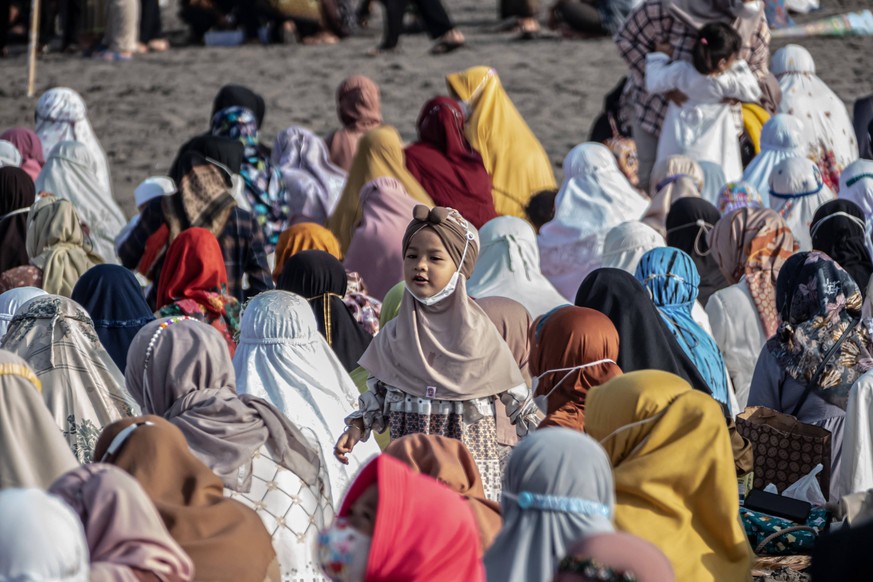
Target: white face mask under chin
<point>542,401</point>
<point>748,9</point>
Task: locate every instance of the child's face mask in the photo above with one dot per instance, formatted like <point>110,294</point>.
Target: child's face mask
<point>542,401</point>
<point>343,552</point>
<point>453,281</point>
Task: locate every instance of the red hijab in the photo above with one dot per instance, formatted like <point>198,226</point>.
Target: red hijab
<point>194,269</point>
<point>447,166</point>
<point>424,530</point>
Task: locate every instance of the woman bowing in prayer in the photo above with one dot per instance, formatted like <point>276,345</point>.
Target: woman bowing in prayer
<point>359,109</point>
<point>509,266</point>
<point>559,487</point>
<point>688,510</point>
<point>796,192</point>
<point>179,369</point>
<point>839,231</point>
<point>820,309</point>
<point>513,156</point>
<point>688,222</point>
<point>58,247</point>
<point>750,245</point>
<point>322,281</point>
<point>447,166</point>
<point>213,530</point>
<point>283,359</point>
<point>194,283</point>
<point>374,250</point>
<point>81,386</point>
<point>781,138</point>
<point>573,349</point>
<point>70,173</point>
<point>594,197</point>
<point>455,393</point>
<point>17,195</point>
<point>113,298</point>
<point>379,155</point>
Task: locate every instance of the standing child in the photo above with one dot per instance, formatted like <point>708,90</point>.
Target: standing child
<point>440,367</point>
<point>704,126</point>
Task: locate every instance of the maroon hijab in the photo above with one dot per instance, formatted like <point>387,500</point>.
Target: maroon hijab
<point>447,166</point>
<point>30,148</point>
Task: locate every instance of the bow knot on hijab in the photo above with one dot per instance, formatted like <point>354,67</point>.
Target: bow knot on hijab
<point>453,230</point>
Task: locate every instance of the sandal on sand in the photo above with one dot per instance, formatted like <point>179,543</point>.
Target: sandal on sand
<point>112,56</point>
<point>445,47</point>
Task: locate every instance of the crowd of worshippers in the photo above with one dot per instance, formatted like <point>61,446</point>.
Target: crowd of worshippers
<point>347,358</point>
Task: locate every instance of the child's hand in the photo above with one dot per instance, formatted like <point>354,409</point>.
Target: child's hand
<point>664,47</point>
<point>346,443</point>
<point>677,97</point>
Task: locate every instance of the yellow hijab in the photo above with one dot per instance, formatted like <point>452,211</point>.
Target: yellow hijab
<point>379,155</point>
<point>516,160</point>
<point>304,236</point>
<point>754,118</point>
<point>674,472</point>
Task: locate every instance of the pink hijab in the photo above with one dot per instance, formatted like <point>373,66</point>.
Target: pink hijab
<point>359,108</point>
<point>30,148</point>
<point>126,536</point>
<point>375,250</point>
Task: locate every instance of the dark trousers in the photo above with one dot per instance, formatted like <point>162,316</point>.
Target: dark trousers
<point>431,12</point>
<point>150,21</point>
<point>580,16</point>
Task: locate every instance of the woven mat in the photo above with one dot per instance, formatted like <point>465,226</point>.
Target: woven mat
<point>766,564</point>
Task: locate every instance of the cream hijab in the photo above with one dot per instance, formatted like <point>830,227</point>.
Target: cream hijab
<point>626,244</point>
<point>81,385</point>
<point>379,155</point>
<point>56,244</point>
<point>672,178</point>
<point>33,452</point>
<point>509,266</point>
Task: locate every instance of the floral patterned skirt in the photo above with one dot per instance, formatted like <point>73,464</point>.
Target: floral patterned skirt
<point>448,419</point>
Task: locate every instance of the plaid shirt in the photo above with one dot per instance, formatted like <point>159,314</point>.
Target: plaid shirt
<point>649,24</point>
<point>241,242</point>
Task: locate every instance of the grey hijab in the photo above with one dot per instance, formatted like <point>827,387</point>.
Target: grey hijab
<point>180,369</point>
<point>558,487</point>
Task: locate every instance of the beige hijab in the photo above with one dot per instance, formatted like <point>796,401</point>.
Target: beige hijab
<point>32,449</point>
<point>672,178</point>
<point>57,244</point>
<point>449,350</point>
<point>81,385</point>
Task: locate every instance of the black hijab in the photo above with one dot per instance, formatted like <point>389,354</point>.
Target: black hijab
<point>240,96</point>
<point>686,232</point>
<point>113,298</point>
<point>17,194</point>
<point>645,343</point>
<point>226,151</point>
<point>320,278</point>
<point>843,239</point>
<point>861,118</point>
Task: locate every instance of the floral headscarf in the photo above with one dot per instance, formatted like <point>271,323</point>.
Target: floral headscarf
<point>265,185</point>
<point>734,195</point>
<point>819,302</point>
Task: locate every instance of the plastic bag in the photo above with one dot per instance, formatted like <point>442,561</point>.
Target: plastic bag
<point>807,488</point>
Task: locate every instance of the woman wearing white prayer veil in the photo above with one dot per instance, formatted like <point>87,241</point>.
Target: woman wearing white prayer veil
<point>594,197</point>
<point>626,244</point>
<point>509,266</point>
<point>796,191</point>
<point>781,138</point>
<point>70,172</point>
<point>828,130</point>
<point>41,539</point>
<point>61,115</point>
<point>856,184</point>
<point>283,359</point>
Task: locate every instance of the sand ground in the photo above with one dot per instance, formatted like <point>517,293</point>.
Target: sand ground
<point>143,110</point>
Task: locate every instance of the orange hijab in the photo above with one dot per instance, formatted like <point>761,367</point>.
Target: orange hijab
<point>304,236</point>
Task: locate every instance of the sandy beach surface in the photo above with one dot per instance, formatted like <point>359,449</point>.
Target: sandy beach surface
<point>143,110</point>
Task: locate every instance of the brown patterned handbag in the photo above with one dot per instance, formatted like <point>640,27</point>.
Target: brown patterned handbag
<point>785,449</point>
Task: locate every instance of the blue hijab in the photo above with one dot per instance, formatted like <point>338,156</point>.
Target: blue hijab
<point>672,281</point>
<point>114,299</point>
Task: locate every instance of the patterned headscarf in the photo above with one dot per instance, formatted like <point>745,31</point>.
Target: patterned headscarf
<point>672,281</point>
<point>265,185</point>
<point>754,243</point>
<point>818,301</point>
<point>734,195</point>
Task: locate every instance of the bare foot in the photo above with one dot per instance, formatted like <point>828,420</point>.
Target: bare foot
<point>321,38</point>
<point>159,45</point>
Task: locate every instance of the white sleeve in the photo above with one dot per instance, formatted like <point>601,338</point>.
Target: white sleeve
<point>662,74</point>
<point>739,83</point>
